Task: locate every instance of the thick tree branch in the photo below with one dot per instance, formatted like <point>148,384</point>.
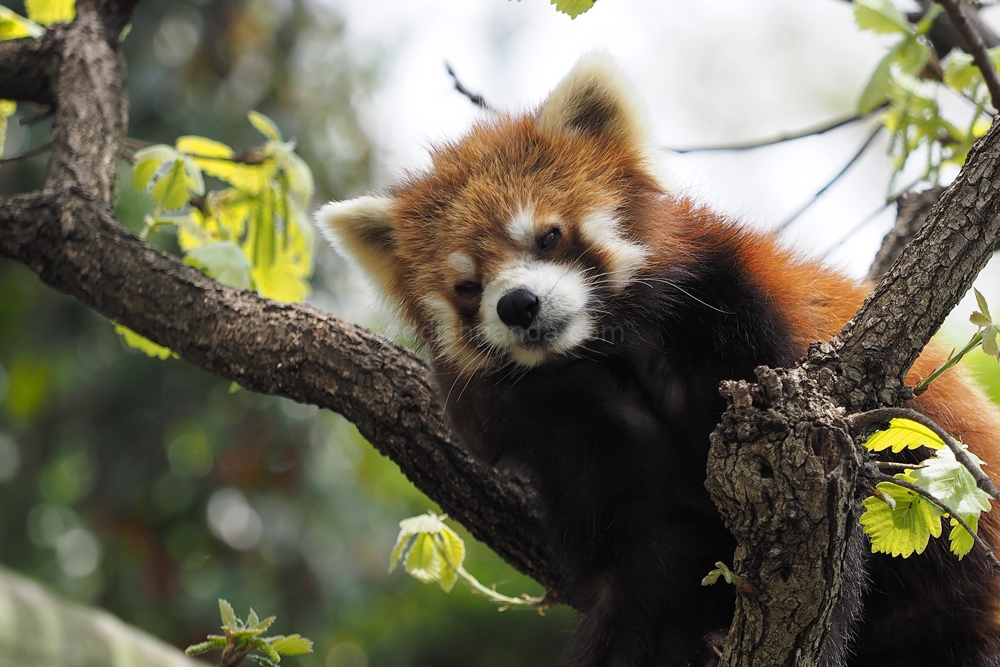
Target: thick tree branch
<point>886,335</point>
<point>67,235</point>
<point>912,210</point>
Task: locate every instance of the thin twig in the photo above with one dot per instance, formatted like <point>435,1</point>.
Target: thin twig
<point>863,420</point>
<point>829,183</point>
<point>475,98</point>
<point>976,47</point>
<point>954,515</point>
<point>871,216</point>
<point>47,146</point>
<point>814,131</point>
<point>893,465</point>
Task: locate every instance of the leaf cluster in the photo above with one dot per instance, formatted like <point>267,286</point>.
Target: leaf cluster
<point>900,521</point>
<point>242,637</point>
<point>909,80</point>
<point>253,234</point>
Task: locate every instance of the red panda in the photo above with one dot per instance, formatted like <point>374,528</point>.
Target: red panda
<point>579,318</point>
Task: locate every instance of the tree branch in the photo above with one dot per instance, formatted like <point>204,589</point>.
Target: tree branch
<point>68,236</point>
<point>974,44</point>
<point>884,338</point>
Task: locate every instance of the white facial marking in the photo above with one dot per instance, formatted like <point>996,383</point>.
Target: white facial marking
<point>462,264</point>
<point>562,323</point>
<point>445,320</point>
<point>521,227</point>
<point>601,229</point>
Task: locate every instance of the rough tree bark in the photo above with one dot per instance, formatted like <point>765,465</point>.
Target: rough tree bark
<point>769,442</point>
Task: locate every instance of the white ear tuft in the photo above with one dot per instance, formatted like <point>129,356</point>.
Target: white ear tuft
<point>595,98</point>
<point>363,230</point>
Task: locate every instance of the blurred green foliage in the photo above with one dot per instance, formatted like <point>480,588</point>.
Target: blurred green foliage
<point>147,486</point>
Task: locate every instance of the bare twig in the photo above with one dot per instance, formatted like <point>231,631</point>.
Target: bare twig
<point>952,513</point>
<point>819,193</point>
<point>861,421</point>
<point>871,216</point>
<point>811,132</point>
<point>976,47</point>
<point>475,98</point>
<point>47,146</point>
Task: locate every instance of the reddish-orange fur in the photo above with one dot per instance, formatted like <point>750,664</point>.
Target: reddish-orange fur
<point>616,431</point>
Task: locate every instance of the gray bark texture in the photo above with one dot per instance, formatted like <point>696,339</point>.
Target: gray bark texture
<point>66,233</point>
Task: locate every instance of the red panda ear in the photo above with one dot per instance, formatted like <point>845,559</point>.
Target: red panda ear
<point>595,99</point>
<point>363,230</point>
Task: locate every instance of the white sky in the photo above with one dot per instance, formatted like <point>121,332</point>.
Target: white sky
<point>711,72</point>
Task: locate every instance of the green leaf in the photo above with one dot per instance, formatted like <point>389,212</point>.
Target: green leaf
<point>912,55</point>
<point>984,307</point>
<point>951,482</point>
<point>264,125</point>
<point>573,7</point>
<point>262,660</point>
<point>148,161</point>
<point>877,90</point>
<point>990,340</point>
<point>452,547</point>
<point>880,16</point>
<point>961,541</point>
<point>134,340</point>
<point>48,12</point>
<point>902,530</point>
<point>262,645</point>
<point>15,26</point>
<point>201,146</point>
<point>228,615</point>
<point>7,109</point>
<point>300,178</point>
<point>291,644</point>
<point>214,643</point>
<point>903,434</point>
<point>423,562</point>
<point>397,551</point>
<point>252,620</point>
<point>224,261</point>
<point>174,189</point>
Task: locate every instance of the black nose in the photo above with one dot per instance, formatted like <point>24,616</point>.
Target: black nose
<point>518,308</point>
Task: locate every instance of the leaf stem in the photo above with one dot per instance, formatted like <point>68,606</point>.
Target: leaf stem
<point>882,477</point>
<point>861,421</point>
<point>977,338</point>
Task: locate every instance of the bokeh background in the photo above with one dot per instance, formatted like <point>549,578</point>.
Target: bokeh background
<point>149,488</point>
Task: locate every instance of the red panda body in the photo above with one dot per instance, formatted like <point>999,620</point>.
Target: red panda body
<point>580,320</point>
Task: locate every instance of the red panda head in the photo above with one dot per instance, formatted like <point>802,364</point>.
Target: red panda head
<point>510,247</point>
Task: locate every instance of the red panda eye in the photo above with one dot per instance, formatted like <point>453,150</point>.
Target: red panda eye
<point>468,288</point>
<point>549,239</point>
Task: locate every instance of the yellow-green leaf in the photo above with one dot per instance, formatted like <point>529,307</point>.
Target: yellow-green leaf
<point>880,16</point>
<point>15,26</point>
<point>904,529</point>
<point>961,541</point>
<point>573,7</point>
<point>423,562</point>
<point>264,125</point>
<point>48,12</point>
<point>200,146</point>
<point>903,434</point>
<point>134,340</point>
<point>228,615</point>
<point>291,644</point>
<point>148,161</point>
<point>7,109</point>
<point>877,90</point>
<point>222,260</point>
